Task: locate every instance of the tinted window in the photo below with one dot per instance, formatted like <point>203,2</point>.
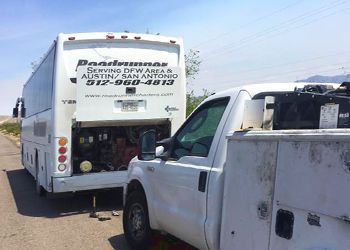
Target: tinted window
<point>37,92</point>
<point>196,136</point>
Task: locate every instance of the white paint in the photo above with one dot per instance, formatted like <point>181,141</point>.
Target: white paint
<point>63,110</point>
<point>249,182</point>
<point>253,114</point>
<point>303,172</point>
<point>176,206</point>
<point>89,181</point>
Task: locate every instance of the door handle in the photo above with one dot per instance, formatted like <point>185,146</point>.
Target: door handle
<point>151,169</point>
<point>202,182</point>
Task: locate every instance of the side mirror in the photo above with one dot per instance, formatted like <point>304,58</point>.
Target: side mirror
<point>147,146</point>
<point>23,112</point>
<point>166,144</point>
<point>15,112</point>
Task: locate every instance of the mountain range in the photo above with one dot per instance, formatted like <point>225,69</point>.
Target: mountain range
<point>327,79</point>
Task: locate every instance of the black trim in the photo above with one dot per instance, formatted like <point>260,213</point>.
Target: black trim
<point>38,113</point>
<point>202,182</point>
<point>284,224</point>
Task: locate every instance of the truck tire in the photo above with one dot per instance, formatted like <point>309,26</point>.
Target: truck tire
<point>136,221</point>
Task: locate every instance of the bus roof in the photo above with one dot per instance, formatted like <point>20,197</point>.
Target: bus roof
<point>119,36</point>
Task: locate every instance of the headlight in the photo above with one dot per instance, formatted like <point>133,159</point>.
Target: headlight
<point>85,166</point>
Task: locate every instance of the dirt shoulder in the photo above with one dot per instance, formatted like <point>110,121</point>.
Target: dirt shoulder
<point>32,222</point>
<point>15,140</point>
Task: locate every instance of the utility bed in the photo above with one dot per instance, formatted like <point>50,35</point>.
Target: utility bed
<point>287,190</point>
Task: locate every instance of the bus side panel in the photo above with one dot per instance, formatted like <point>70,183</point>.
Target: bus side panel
<point>37,145</point>
<point>36,127</point>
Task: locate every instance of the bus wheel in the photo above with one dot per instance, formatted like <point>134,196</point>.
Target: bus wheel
<point>27,171</point>
<point>136,222</point>
<point>38,188</point>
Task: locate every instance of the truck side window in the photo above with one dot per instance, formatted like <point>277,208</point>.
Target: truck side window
<point>197,134</point>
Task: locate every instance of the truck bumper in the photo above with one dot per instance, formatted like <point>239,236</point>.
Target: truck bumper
<point>89,181</point>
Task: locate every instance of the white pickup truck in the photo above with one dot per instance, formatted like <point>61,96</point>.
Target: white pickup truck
<point>282,185</point>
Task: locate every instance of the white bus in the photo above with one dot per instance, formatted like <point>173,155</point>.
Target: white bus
<point>90,98</point>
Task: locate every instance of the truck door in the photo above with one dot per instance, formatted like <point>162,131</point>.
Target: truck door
<point>180,183</point>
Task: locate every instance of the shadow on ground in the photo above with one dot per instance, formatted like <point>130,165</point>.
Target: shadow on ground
<point>30,204</point>
<point>118,242</point>
<point>158,242</point>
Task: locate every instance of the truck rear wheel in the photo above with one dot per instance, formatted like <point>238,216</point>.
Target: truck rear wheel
<point>136,221</point>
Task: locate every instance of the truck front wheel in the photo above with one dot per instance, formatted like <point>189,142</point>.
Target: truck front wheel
<point>136,222</point>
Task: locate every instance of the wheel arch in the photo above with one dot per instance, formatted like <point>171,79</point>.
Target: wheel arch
<point>38,173</point>
<point>136,185</point>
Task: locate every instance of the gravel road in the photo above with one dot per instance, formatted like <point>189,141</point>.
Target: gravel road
<point>31,222</point>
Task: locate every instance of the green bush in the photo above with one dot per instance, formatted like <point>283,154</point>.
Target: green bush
<point>11,128</point>
<point>193,101</point>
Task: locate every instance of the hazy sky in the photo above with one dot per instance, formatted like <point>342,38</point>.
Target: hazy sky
<point>240,42</point>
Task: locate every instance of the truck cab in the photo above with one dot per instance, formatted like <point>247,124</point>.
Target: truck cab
<point>178,187</point>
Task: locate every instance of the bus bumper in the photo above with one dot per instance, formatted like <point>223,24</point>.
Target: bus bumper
<point>89,181</point>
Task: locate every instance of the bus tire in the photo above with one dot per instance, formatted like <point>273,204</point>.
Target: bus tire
<point>136,221</point>
<point>27,171</point>
<point>38,188</point>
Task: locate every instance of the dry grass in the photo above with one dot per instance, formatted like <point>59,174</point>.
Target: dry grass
<point>11,128</point>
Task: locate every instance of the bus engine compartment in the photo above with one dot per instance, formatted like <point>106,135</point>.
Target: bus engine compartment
<point>101,149</point>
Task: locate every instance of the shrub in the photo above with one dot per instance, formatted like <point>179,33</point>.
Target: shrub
<point>11,128</point>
